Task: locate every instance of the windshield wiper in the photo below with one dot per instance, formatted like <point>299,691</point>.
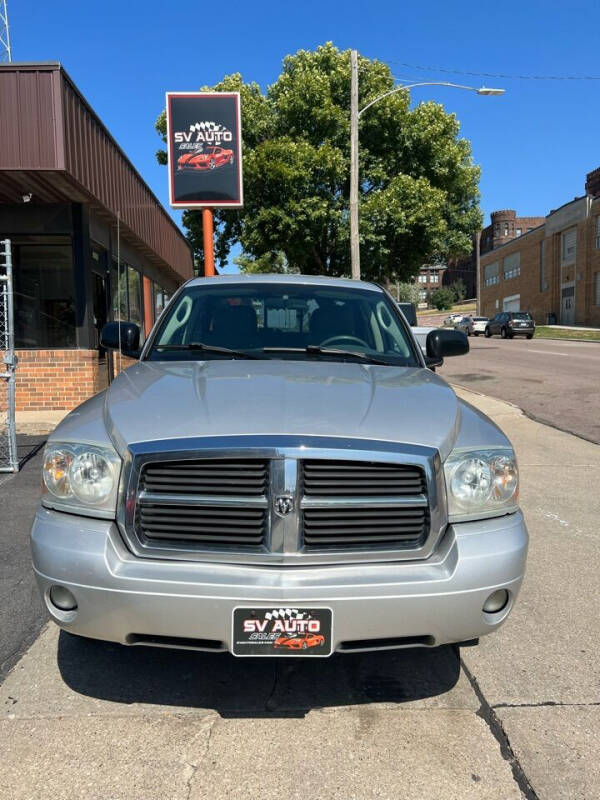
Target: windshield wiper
<point>316,350</point>
<point>207,348</point>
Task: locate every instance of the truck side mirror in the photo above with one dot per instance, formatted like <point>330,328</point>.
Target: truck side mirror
<point>123,336</point>
<point>443,343</point>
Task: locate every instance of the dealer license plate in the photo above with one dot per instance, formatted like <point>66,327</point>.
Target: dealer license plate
<point>278,631</point>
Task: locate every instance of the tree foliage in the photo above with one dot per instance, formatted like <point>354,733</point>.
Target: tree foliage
<point>418,184</point>
<point>407,293</point>
<point>442,298</point>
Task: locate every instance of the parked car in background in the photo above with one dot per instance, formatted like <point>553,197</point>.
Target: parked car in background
<point>410,312</point>
<point>479,324</point>
<point>508,324</point>
<point>452,319</point>
<point>465,324</point>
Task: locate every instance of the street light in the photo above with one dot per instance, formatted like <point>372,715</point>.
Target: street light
<point>355,115</point>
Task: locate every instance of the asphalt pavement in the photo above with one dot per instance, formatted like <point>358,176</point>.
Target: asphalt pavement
<point>553,381</point>
<point>516,717</point>
<point>22,614</point>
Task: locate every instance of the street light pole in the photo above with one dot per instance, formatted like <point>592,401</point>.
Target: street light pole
<point>355,115</point>
<point>354,242</point>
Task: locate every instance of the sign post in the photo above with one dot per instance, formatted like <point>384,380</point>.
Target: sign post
<point>204,147</point>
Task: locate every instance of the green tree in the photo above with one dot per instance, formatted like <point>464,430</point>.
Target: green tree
<point>442,298</point>
<point>418,191</point>
<point>407,293</point>
<point>459,289</point>
<point>274,263</point>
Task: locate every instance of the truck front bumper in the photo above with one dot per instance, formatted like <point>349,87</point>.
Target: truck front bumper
<point>122,598</point>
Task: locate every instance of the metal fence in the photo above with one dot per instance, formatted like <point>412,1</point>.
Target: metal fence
<point>8,364</point>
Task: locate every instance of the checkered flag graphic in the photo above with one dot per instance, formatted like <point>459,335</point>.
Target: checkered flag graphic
<point>207,126</point>
<point>287,613</point>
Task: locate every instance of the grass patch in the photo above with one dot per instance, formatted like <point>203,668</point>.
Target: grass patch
<point>461,308</point>
<point>550,332</point>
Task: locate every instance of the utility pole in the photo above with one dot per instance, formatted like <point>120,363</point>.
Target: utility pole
<point>208,241</point>
<point>354,243</point>
<point>5,52</point>
<point>477,243</point>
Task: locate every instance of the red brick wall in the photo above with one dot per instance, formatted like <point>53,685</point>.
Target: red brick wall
<point>57,379</point>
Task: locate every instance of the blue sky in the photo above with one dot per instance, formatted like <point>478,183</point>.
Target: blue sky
<point>535,144</point>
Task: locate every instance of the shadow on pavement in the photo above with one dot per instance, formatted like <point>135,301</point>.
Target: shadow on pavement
<point>254,687</point>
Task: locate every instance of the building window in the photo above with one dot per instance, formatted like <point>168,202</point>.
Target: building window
<point>598,232</point>
<point>568,247</point>
<point>490,274</point>
<point>422,294</point>
<point>519,231</point>
<point>434,277</point>
<point>506,228</point>
<point>597,289</point>
<point>422,278</point>
<point>126,291</point>
<point>44,296</point>
<point>543,283</point>
<point>512,266</point>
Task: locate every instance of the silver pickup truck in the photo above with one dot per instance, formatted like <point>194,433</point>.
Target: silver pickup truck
<point>281,473</point>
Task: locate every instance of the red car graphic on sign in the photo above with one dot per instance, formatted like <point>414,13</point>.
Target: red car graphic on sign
<point>300,641</point>
<point>208,158</point>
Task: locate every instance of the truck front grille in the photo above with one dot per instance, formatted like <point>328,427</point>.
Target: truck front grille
<point>270,505</point>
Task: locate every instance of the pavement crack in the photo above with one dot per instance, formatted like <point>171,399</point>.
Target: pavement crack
<point>543,704</point>
<point>193,766</point>
<point>489,716</point>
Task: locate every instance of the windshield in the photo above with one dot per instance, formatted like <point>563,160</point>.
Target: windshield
<point>279,320</point>
<point>521,315</point>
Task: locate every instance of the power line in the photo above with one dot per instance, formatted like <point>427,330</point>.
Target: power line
<point>506,76</point>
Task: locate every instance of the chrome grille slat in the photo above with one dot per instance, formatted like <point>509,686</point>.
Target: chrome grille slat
<point>322,478</point>
<point>203,503</point>
<point>210,476</point>
<point>354,504</point>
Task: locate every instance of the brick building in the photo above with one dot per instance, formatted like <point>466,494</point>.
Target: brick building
<point>504,227</point>
<point>554,269</point>
<point>429,278</point>
<point>90,242</point>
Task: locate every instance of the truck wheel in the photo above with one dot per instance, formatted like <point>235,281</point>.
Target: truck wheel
<point>487,333</point>
<point>530,335</point>
<point>475,333</point>
<point>503,333</point>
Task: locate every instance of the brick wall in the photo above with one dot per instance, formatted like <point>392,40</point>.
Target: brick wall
<point>57,379</point>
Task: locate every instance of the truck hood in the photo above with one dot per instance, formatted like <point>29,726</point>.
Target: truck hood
<point>165,400</point>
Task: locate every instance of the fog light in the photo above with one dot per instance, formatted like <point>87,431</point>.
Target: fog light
<point>496,601</point>
<point>62,598</point>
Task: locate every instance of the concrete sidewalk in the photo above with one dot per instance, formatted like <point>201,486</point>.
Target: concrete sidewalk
<point>517,716</point>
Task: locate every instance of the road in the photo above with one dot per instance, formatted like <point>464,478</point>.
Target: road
<point>516,717</point>
<point>21,611</point>
<point>553,381</point>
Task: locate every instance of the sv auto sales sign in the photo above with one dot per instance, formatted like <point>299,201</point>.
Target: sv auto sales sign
<point>204,145</point>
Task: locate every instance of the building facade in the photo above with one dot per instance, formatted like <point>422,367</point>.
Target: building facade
<point>90,241</point>
<point>552,271</point>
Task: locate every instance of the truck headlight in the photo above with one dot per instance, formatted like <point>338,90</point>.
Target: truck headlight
<point>81,479</point>
<point>481,483</point>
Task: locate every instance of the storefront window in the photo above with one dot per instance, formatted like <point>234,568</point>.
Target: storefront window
<point>126,292</point>
<point>118,291</point>
<point>159,300</point>
<point>44,296</point>
<point>134,285</point>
